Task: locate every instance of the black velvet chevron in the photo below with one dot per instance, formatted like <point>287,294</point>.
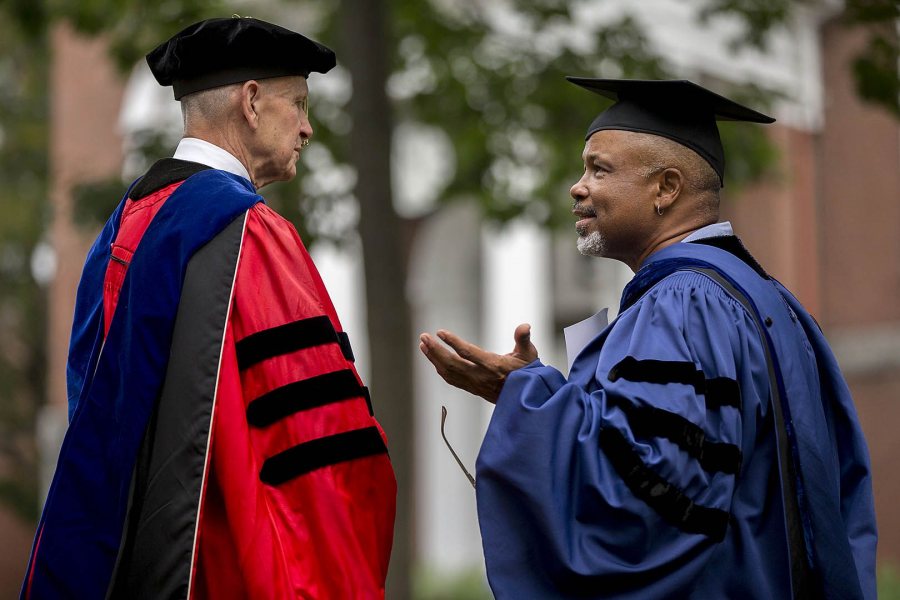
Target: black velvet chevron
<point>669,501</point>
<point>315,454</point>
<point>719,391</point>
<point>290,337</point>
<point>304,395</point>
<point>649,422</point>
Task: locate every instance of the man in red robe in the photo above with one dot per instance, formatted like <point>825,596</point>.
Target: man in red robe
<point>221,443</point>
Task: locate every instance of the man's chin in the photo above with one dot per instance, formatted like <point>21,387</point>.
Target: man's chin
<point>287,174</point>
<point>591,244</point>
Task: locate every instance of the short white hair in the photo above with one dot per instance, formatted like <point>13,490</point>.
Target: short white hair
<point>207,106</point>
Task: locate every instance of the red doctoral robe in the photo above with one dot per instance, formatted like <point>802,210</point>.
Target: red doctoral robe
<point>286,509</point>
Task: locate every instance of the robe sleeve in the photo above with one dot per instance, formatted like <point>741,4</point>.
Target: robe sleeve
<point>620,483</point>
<point>301,496</point>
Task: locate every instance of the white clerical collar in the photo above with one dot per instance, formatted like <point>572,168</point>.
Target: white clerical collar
<point>201,151</point>
<point>710,231</point>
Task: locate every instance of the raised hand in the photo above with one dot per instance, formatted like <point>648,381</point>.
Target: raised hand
<point>470,368</point>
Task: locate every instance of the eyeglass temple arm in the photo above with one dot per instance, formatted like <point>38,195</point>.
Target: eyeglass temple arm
<point>449,447</point>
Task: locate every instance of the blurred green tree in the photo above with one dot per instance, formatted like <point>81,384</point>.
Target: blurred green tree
<point>23,171</point>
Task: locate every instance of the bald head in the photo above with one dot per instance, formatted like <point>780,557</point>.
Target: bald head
<point>658,153</point>
<point>640,192</point>
<point>699,180</point>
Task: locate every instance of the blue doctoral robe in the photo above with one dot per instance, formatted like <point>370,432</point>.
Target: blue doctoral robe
<point>652,471</point>
<point>114,383</point>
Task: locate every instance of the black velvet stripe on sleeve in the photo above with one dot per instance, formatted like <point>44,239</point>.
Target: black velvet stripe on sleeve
<point>304,395</point>
<point>369,402</point>
<point>657,371</point>
<point>290,337</point>
<point>719,391</point>
<point>346,349</point>
<point>649,422</point>
<point>669,501</point>
<point>315,454</point>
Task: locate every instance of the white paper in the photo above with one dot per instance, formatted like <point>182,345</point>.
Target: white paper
<point>578,335</point>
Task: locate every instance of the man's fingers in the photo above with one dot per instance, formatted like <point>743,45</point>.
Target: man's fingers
<point>524,347</point>
<point>482,379</point>
<point>443,359</point>
<point>466,350</point>
<point>425,343</point>
<point>522,336</point>
<point>433,350</point>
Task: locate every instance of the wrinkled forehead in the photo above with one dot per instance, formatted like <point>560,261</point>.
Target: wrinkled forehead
<point>608,143</point>
<point>291,85</point>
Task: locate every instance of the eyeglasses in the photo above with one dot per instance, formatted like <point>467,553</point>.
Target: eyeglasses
<point>303,104</point>
<point>449,447</point>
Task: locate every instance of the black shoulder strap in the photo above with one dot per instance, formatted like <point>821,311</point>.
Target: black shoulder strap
<point>801,582</point>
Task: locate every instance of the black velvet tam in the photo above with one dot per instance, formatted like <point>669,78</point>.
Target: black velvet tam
<point>676,109</point>
<point>218,52</point>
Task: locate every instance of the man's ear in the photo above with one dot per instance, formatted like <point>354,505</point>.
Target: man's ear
<point>250,94</point>
<point>670,184</point>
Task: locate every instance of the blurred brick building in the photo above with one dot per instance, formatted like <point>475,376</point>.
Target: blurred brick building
<point>830,230</point>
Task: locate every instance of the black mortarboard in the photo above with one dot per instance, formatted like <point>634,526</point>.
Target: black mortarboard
<point>677,109</point>
<point>218,52</point>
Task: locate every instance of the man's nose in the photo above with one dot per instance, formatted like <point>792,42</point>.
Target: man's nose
<point>306,130</point>
<point>579,190</point>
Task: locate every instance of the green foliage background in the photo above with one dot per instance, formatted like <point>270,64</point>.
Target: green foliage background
<point>23,206</point>
<point>499,97</point>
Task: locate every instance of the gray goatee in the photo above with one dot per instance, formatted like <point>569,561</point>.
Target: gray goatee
<point>592,244</point>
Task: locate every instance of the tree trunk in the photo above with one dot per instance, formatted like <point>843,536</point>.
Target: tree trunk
<point>365,34</point>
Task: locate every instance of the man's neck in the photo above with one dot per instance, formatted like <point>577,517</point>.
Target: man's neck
<point>713,230</point>
<point>206,152</point>
<point>675,235</point>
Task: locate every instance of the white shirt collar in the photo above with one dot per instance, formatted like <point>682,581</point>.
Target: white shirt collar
<point>205,153</point>
<point>714,230</point>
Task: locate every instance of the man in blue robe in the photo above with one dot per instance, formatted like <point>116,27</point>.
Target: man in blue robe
<point>704,444</point>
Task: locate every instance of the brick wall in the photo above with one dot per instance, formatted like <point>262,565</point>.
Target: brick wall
<point>828,226</point>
